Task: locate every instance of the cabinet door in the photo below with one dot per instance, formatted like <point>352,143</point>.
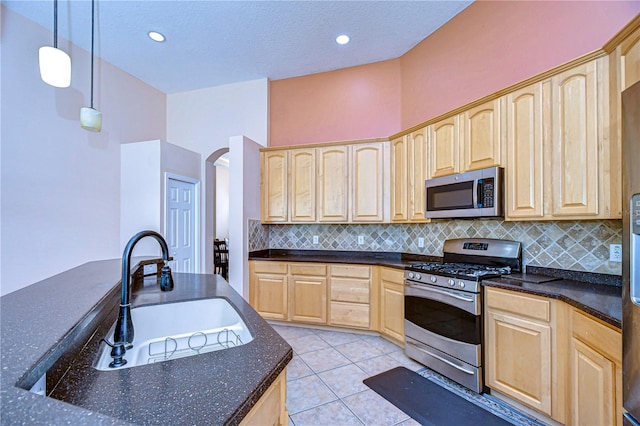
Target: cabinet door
<point>367,182</point>
<point>399,179</point>
<point>392,304</point>
<point>444,140</point>
<point>308,293</point>
<point>302,185</point>
<point>519,359</point>
<point>574,142</point>
<point>273,186</point>
<point>418,171</point>
<point>524,171</point>
<point>481,144</point>
<point>595,367</point>
<point>333,184</point>
<point>593,387</point>
<point>268,289</point>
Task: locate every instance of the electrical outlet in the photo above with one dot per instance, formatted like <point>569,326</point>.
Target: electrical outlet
<point>360,239</point>
<point>420,242</point>
<point>150,269</point>
<point>615,252</point>
<point>315,239</point>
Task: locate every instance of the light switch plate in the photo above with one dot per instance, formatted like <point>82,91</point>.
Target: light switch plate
<point>420,242</point>
<point>360,239</point>
<point>615,252</point>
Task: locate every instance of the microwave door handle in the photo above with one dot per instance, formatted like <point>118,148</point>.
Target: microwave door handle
<point>477,187</point>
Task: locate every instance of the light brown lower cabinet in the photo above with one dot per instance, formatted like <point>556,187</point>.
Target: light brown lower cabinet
<point>524,338</point>
<point>392,304</point>
<point>351,296</point>
<point>316,293</point>
<point>596,372</point>
<point>270,409</point>
<point>269,289</point>
<point>308,293</point>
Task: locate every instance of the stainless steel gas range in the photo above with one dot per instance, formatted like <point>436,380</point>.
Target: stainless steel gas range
<point>443,306</point>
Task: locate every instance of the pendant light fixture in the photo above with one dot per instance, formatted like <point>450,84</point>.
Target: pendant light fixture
<point>90,118</point>
<point>55,64</point>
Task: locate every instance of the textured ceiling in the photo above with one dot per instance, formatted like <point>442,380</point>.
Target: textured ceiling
<point>210,43</point>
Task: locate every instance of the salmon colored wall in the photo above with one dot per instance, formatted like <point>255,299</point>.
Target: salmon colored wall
<point>488,46</point>
<point>493,44</point>
<point>351,103</point>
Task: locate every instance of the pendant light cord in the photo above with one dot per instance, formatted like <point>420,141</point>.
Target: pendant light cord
<point>92,31</point>
<point>55,23</point>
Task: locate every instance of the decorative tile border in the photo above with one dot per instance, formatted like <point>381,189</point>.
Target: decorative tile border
<point>572,245</point>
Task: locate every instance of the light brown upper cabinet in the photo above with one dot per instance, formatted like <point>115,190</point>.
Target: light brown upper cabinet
<point>367,182</point>
<point>333,184</point>
<point>562,163</point>
<point>629,52</point>
<point>444,144</point>
<point>409,170</point>
<point>481,145</point>
<point>302,206</point>
<point>574,141</point>
<point>274,186</point>
<point>525,166</point>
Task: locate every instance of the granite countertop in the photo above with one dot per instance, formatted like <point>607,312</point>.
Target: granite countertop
<point>390,259</point>
<point>600,300</point>
<point>212,388</point>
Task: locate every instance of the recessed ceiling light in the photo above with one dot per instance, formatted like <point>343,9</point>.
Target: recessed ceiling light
<point>156,36</point>
<point>342,39</point>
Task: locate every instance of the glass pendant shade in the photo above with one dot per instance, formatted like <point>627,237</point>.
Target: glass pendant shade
<point>55,66</point>
<point>90,119</point>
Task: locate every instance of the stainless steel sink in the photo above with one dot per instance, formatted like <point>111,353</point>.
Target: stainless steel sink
<point>176,330</point>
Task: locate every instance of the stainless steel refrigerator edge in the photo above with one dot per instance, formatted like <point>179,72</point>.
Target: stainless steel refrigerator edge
<point>631,253</point>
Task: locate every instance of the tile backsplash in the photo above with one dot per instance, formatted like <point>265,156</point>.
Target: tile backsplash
<point>573,245</point>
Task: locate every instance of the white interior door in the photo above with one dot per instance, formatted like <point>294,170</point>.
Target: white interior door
<point>181,224</point>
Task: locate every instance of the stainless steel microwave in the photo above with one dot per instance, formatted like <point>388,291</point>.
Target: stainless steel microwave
<point>478,193</point>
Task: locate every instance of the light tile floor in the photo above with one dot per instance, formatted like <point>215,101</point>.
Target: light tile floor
<point>324,378</point>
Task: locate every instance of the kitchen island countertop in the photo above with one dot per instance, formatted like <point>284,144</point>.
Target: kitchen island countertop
<point>213,388</point>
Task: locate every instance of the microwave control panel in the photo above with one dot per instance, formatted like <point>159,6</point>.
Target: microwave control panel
<point>487,192</point>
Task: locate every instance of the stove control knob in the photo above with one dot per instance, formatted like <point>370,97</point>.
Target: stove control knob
<point>433,279</point>
<point>410,275</point>
<point>451,282</point>
<point>418,276</point>
<point>461,284</point>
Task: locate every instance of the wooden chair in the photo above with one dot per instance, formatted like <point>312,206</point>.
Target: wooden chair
<point>221,258</point>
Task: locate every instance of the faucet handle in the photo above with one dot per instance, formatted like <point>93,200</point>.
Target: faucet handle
<point>166,280</point>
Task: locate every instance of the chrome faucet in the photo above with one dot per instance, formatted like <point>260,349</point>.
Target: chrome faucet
<point>123,335</point>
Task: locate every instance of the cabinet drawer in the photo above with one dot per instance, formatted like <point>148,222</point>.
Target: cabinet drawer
<point>393,275</point>
<point>518,303</point>
<point>349,290</point>
<point>308,269</point>
<point>350,314</point>
<point>597,335</point>
<point>350,271</point>
<point>270,267</point>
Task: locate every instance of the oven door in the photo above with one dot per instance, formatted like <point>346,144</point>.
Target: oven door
<point>445,319</point>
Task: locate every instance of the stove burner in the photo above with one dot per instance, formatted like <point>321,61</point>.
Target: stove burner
<point>461,270</point>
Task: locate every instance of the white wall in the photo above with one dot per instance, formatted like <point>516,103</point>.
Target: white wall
<point>244,203</point>
<point>142,187</point>
<point>222,202</point>
<point>209,119</point>
<point>60,203</point>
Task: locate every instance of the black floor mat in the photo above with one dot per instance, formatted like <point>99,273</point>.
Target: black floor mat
<point>427,402</point>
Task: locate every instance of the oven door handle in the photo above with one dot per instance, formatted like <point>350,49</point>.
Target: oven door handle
<point>446,361</point>
<point>446,293</point>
